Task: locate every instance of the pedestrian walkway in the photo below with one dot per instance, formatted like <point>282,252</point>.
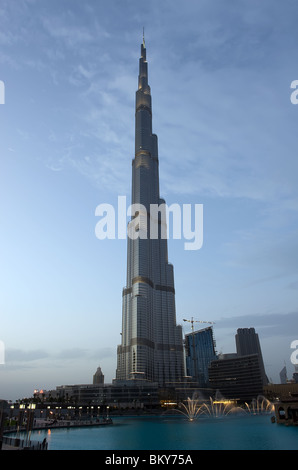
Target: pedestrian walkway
<point>9,447</point>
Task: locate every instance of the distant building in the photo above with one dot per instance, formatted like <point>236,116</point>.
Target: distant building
<point>295,375</point>
<point>275,392</point>
<point>98,377</point>
<point>124,394</point>
<point>283,375</point>
<point>247,342</point>
<point>199,352</point>
<point>237,377</point>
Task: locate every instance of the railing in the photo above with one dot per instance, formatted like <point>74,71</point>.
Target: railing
<point>27,444</point>
<point>24,444</point>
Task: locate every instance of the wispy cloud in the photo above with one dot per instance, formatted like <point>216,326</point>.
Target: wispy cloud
<point>60,27</point>
<point>268,325</point>
<point>263,248</point>
<point>20,358</point>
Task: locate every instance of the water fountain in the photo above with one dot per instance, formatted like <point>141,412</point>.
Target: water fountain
<point>260,405</point>
<point>191,409</point>
<point>220,407</point>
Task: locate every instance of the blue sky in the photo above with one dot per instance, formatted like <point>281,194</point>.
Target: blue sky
<point>220,75</point>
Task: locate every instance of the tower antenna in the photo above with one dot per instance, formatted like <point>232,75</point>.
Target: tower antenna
<point>143,36</point>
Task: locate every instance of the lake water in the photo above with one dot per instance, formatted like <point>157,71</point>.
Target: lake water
<point>175,433</point>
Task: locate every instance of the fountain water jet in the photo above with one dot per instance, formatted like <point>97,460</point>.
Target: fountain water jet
<point>218,408</point>
<point>191,410</point>
<point>260,405</point>
<point>221,407</point>
<point>215,408</point>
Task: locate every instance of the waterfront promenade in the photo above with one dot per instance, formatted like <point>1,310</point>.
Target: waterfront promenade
<point>9,447</point>
<point>16,443</point>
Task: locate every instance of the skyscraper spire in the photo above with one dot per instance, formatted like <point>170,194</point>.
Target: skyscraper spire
<point>143,37</point>
<point>152,347</point>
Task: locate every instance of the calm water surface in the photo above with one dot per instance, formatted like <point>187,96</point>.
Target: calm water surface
<point>161,433</point>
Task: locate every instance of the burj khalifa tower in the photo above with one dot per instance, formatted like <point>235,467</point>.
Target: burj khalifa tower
<point>152,345</point>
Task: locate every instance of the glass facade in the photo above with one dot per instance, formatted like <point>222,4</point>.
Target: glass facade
<point>200,351</point>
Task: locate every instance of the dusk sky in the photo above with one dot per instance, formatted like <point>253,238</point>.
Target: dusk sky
<point>220,74</point>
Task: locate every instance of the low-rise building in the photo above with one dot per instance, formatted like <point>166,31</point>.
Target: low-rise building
<point>237,377</point>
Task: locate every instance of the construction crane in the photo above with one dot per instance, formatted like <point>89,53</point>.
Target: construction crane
<point>192,321</point>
